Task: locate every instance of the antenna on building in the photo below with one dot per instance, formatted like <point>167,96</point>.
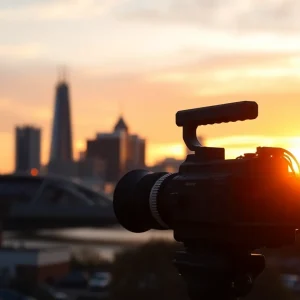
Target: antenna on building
<point>62,73</point>
<point>121,108</point>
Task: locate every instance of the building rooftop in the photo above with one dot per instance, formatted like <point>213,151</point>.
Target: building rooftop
<point>113,135</point>
<point>27,126</point>
<point>121,125</point>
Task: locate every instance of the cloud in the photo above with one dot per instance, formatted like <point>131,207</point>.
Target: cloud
<point>20,52</point>
<point>244,73</point>
<point>196,65</point>
<point>14,112</point>
<point>7,116</point>
<point>240,15</point>
<point>57,10</point>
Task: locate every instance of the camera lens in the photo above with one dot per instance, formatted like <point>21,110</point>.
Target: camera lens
<point>135,200</point>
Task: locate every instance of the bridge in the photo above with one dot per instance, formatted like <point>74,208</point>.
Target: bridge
<point>37,202</point>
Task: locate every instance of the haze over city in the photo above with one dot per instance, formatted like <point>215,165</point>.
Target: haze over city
<point>147,60</point>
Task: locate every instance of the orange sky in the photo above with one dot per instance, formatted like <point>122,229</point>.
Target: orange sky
<point>148,61</point>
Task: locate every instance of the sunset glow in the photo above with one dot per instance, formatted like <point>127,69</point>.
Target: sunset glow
<point>147,60</point>
<point>234,146</point>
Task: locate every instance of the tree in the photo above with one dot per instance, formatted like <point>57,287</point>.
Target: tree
<point>147,273</point>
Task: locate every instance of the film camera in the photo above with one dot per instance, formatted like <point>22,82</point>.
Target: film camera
<point>221,210</point>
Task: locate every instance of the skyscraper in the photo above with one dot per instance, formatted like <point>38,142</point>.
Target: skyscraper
<point>28,149</point>
<point>61,144</point>
<point>120,150</point>
<point>136,152</point>
<point>112,148</point>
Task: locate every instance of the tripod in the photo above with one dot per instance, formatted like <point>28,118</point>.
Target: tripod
<point>218,273</point>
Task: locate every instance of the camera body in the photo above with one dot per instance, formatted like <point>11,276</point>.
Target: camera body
<point>249,202</point>
<point>244,202</point>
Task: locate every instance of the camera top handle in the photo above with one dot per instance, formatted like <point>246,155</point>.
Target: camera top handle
<point>190,119</point>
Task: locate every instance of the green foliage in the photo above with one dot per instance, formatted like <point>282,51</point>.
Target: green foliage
<point>147,273</point>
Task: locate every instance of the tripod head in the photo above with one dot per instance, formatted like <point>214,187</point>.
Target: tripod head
<point>221,210</point>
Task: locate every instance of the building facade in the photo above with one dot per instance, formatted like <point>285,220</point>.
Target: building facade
<point>66,168</point>
<point>112,149</point>
<point>28,149</point>
<point>61,143</point>
<point>34,265</point>
<point>119,150</point>
<point>91,173</point>
<point>170,165</point>
<point>136,152</point>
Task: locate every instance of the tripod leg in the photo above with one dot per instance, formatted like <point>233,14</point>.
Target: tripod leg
<point>215,276</point>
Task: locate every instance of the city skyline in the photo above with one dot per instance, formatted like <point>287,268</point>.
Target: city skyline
<point>156,58</point>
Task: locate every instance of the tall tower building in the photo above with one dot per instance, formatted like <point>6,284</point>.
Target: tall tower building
<point>61,144</point>
<point>28,149</point>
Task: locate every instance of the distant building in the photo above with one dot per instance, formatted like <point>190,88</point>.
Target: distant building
<point>121,126</point>
<point>136,152</point>
<point>91,172</point>
<point>28,149</point>
<point>61,143</point>
<point>66,168</point>
<point>111,147</point>
<point>82,155</point>
<point>91,167</point>
<point>170,165</point>
<point>120,151</point>
<point>34,265</point>
<point>43,170</point>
